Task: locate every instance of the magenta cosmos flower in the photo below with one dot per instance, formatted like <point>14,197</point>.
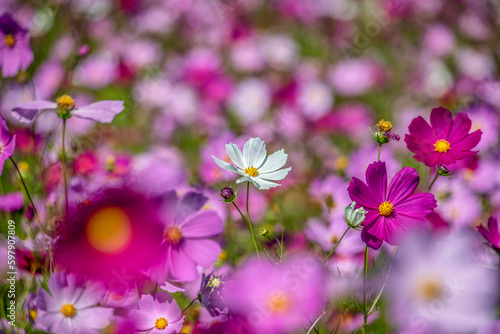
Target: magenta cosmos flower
<point>491,233</point>
<point>445,141</point>
<point>391,211</point>
<point>15,51</point>
<point>65,106</point>
<point>7,143</point>
<point>71,306</point>
<point>159,315</point>
<point>186,238</point>
<point>277,299</point>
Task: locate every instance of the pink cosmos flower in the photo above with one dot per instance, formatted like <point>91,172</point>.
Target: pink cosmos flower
<point>7,143</point>
<point>15,51</point>
<point>391,211</point>
<point>159,315</point>
<point>71,306</point>
<point>277,299</point>
<point>186,238</point>
<point>65,106</point>
<point>492,233</point>
<point>445,141</point>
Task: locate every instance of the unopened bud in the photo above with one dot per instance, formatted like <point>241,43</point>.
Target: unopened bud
<point>354,217</point>
<point>227,194</point>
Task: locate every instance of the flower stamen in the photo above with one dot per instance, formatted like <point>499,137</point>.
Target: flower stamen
<point>10,40</point>
<point>251,171</point>
<point>279,302</point>
<point>441,146</point>
<point>385,209</point>
<point>384,126</point>
<point>68,310</point>
<point>65,102</point>
<point>173,235</point>
<point>161,323</point>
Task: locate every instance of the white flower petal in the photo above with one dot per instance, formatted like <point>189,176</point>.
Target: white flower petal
<point>263,184</point>
<point>226,166</point>
<point>244,179</point>
<point>274,162</point>
<point>254,152</point>
<point>235,154</point>
<point>276,175</point>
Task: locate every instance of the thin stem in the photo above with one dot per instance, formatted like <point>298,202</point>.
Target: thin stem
<point>318,319</point>
<point>389,266</point>
<point>190,304</point>
<point>250,222</point>
<point>65,177</point>
<point>365,271</point>
<point>432,183</point>
<point>379,149</point>
<point>35,211</point>
<point>336,245</point>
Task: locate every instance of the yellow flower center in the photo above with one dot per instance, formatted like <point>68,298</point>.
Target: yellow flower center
<point>1,147</point>
<point>33,314</point>
<point>161,323</point>
<point>173,235</point>
<point>279,302</point>
<point>441,146</point>
<point>65,102</point>
<point>215,282</point>
<point>430,290</point>
<point>68,310</point>
<point>251,171</point>
<point>384,126</point>
<point>222,256</point>
<point>109,230</point>
<point>385,209</point>
<point>10,40</point>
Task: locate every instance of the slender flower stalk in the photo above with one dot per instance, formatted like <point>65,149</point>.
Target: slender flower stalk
<point>35,211</point>
<point>65,176</point>
<point>365,273</point>
<point>433,181</point>
<point>336,245</point>
<point>388,270</point>
<point>250,222</point>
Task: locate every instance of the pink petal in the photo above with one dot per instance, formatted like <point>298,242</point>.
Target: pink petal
<point>204,223</point>
<point>403,185</point>
<point>361,194</point>
<point>27,112</point>
<point>460,128</point>
<point>12,201</point>
<point>420,129</point>
<point>103,111</point>
<point>202,251</point>
<point>376,178</point>
<point>371,240</point>
<point>441,121</point>
<point>469,142</point>
<point>182,267</point>
<point>416,206</point>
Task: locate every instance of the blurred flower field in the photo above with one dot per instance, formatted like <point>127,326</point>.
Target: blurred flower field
<point>249,166</point>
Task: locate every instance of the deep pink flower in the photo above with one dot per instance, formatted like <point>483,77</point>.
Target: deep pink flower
<point>391,211</point>
<point>15,51</point>
<point>7,143</point>
<point>492,233</point>
<point>186,238</point>
<point>445,141</point>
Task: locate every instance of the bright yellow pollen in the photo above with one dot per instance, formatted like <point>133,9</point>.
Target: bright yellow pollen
<point>65,102</point>
<point>161,323</point>
<point>384,126</point>
<point>429,290</point>
<point>279,302</point>
<point>173,235</point>
<point>33,314</point>
<point>68,310</point>
<point>222,256</point>
<point>23,165</point>
<point>109,230</point>
<point>1,147</point>
<point>441,146</point>
<point>10,40</point>
<point>385,209</point>
<point>251,171</point>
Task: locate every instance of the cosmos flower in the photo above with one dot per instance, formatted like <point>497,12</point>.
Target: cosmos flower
<point>277,299</point>
<point>15,51</point>
<point>445,141</point>
<point>436,286</point>
<point>70,307</point>
<point>186,238</point>
<point>211,292</point>
<point>7,143</point>
<point>391,211</point>
<point>65,106</point>
<point>159,315</point>
<point>254,165</point>
<point>491,233</point>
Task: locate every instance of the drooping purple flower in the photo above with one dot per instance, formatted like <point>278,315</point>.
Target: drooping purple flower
<point>15,51</point>
<point>211,294</point>
<point>65,106</point>
<point>491,233</point>
<point>7,143</point>
<point>391,211</point>
<point>159,315</point>
<point>71,306</point>
<point>186,238</point>
<point>445,141</point>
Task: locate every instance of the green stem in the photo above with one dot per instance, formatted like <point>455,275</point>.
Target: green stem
<point>432,183</point>
<point>65,177</point>
<point>379,149</point>
<point>190,304</point>
<point>389,266</point>
<point>336,245</point>
<point>365,271</point>
<point>250,222</point>
<point>35,211</point>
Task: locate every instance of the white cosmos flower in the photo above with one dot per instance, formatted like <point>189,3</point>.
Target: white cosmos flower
<point>254,165</point>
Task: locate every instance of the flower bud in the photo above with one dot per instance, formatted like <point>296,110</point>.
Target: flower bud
<point>384,126</point>
<point>380,137</point>
<point>442,170</point>
<point>83,51</point>
<point>265,230</point>
<point>227,194</point>
<point>354,217</point>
